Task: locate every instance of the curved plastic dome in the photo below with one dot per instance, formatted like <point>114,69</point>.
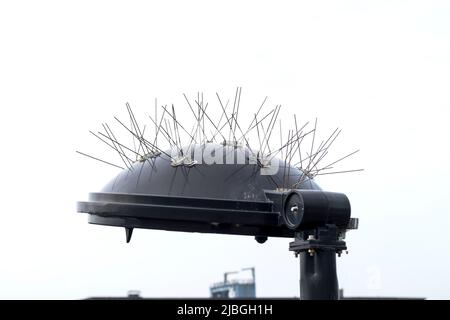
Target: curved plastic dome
<point>219,172</point>
<point>211,188</point>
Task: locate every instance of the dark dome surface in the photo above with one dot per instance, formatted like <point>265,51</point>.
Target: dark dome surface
<point>157,176</point>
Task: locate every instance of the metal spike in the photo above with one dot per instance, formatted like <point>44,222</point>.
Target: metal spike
<point>271,125</point>
<point>257,113</point>
<point>112,147</point>
<point>113,140</point>
<point>111,164</point>
<point>252,127</point>
<point>335,172</point>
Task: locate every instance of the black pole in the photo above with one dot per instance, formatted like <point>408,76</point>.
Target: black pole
<point>318,276</point>
<point>317,249</point>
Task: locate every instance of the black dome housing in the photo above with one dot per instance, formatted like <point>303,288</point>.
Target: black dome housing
<point>236,197</point>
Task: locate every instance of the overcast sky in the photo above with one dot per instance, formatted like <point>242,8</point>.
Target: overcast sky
<point>378,69</point>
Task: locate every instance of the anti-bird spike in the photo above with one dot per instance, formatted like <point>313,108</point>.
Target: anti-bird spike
<point>209,120</point>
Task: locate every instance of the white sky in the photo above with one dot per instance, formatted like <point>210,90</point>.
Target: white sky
<point>378,69</point>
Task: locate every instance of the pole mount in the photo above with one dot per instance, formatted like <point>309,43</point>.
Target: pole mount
<point>328,237</point>
<point>317,248</point>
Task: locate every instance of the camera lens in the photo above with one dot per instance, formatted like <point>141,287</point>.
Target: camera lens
<point>293,210</point>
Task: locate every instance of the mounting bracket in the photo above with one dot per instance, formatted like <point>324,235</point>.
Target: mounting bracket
<point>317,249</point>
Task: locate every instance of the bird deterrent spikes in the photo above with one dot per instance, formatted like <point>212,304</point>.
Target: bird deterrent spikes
<point>223,126</point>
